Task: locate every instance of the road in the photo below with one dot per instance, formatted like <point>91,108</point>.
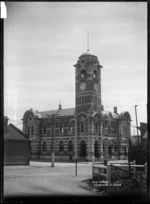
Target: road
<point>39,178</point>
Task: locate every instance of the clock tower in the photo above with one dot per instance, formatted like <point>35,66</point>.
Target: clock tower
<point>88,83</point>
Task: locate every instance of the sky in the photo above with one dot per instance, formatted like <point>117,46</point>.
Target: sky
<point>43,40</point>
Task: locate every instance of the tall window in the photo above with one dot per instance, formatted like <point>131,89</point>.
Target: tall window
<point>82,126</point>
<point>82,99</point>
<point>125,151</point>
<point>109,128</point>
<point>70,146</point>
<point>40,128</point>
<point>115,129</point>
<point>44,129</point>
<point>96,126</point>
<point>115,148</point>
<point>109,150</point>
<point>86,125</point>
<point>61,146</point>
<point>83,152</point>
<point>96,149</point>
<point>32,129</point>
<point>28,129</point>
<point>44,146</point>
<point>60,128</point>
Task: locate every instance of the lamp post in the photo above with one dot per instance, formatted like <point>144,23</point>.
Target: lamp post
<point>76,143</point>
<point>53,117</point>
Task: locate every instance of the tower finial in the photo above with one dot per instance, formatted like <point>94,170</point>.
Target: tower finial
<point>88,40</point>
<point>59,108</point>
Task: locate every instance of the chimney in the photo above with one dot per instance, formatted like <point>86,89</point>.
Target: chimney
<point>115,109</point>
<point>59,107</point>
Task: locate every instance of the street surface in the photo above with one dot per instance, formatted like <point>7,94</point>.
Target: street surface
<point>39,178</point>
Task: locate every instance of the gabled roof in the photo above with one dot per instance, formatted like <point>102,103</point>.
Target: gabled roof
<point>14,133</point>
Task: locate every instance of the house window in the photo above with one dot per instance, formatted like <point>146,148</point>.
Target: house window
<point>32,129</point>
<point>109,151</point>
<point>86,125</point>
<point>44,129</point>
<point>61,146</point>
<point>44,146</point>
<point>109,129</point>
<point>125,151</point>
<point>82,126</point>
<point>70,146</point>
<point>96,126</point>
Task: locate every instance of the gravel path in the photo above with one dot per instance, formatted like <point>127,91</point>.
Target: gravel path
<point>41,179</point>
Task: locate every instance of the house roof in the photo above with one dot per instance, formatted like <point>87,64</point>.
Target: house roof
<point>14,133</point>
<point>70,112</point>
<point>62,112</point>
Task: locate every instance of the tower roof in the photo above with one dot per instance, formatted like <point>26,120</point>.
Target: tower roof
<point>87,53</point>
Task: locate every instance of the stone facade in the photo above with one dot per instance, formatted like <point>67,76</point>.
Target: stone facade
<point>100,133</point>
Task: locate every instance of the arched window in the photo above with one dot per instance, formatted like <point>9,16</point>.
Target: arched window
<point>96,149</point>
<point>82,126</point>
<point>115,148</point>
<point>83,149</point>
<point>70,146</point>
<point>96,126</point>
<point>61,146</point>
<point>44,146</point>
<point>83,73</point>
<point>109,151</point>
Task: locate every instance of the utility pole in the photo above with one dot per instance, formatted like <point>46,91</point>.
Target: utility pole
<point>52,119</point>
<point>129,149</point>
<point>137,123</point>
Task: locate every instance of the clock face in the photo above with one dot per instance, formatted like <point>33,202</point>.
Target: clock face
<point>96,86</point>
<point>83,86</point>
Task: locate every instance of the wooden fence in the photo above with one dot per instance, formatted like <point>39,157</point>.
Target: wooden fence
<point>101,172</point>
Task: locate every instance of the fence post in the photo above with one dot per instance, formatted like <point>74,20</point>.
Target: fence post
<point>134,168</point>
<point>109,173</point>
<point>146,170</point>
